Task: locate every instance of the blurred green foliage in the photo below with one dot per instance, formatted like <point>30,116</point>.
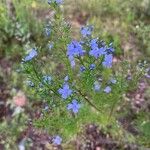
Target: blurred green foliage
<point>143,33</point>
<point>18,28</point>
<point>114,20</point>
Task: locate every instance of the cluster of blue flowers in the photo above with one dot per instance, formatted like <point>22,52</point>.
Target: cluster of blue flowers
<point>97,49</point>
<point>74,49</point>
<point>65,93</point>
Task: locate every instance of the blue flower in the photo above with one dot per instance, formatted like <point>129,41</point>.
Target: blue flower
<point>66,78</point>
<point>74,106</point>
<point>57,140</point>
<point>97,52</point>
<point>129,77</point>
<point>107,89</point>
<point>96,49</point>
<point>47,79</point>
<point>65,91</point>
<point>46,108</point>
<point>48,31</point>
<point>72,61</point>
<point>108,61</point>
<point>74,49</point>
<point>97,86</point>
<point>147,73</point>
<point>86,31</point>
<point>58,2</point>
<point>93,43</point>
<point>30,83</point>
<point>113,81</point>
<point>92,66</point>
<point>82,69</point>
<point>49,2</point>
<point>41,85</point>
<point>31,55</point>
<point>110,49</point>
<point>50,45</point>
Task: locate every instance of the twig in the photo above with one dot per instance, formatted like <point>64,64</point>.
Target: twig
<point>85,97</point>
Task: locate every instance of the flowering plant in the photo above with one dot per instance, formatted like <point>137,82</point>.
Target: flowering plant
<point>83,86</point>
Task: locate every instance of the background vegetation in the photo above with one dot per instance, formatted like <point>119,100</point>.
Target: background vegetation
<point>22,23</point>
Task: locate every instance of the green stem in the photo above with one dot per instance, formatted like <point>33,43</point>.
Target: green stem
<point>36,73</point>
<point>88,101</point>
<point>114,104</point>
<point>111,111</point>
